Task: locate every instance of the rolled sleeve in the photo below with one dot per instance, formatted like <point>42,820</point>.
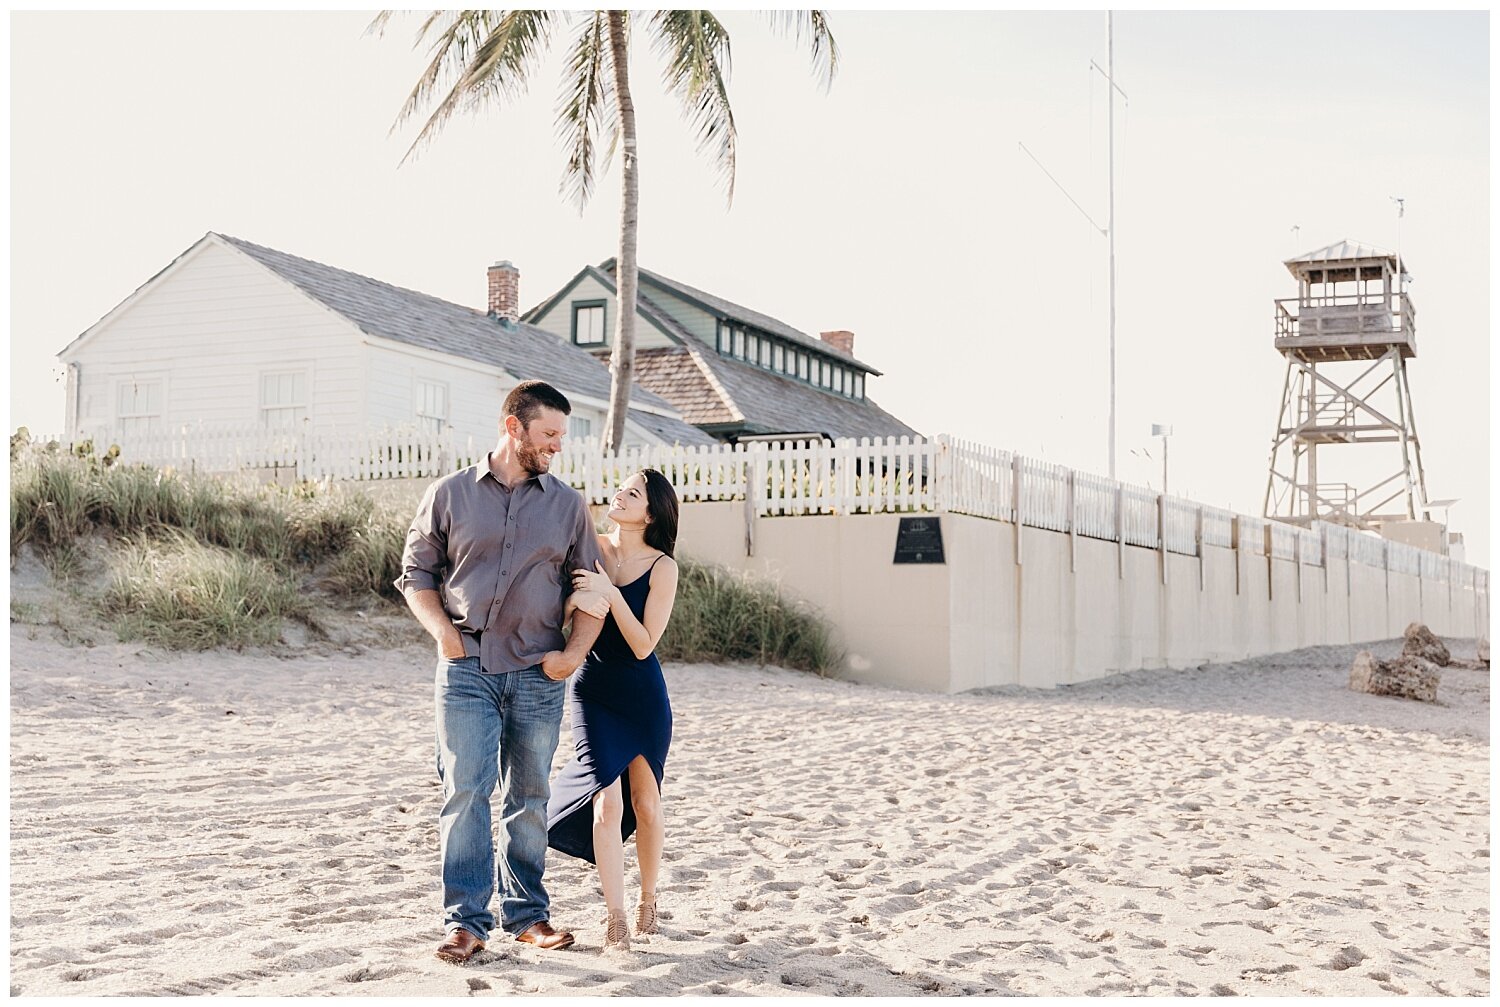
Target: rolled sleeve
<point>426,552</point>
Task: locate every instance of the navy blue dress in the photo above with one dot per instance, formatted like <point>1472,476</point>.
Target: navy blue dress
<point>619,708</point>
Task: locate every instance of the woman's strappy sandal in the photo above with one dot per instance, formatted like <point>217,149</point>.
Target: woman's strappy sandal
<point>616,933</point>
<point>645,918</point>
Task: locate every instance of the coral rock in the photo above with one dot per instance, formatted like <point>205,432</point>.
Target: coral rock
<point>1407,677</point>
<point>1421,642</point>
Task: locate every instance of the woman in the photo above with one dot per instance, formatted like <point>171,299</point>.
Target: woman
<point>622,721</point>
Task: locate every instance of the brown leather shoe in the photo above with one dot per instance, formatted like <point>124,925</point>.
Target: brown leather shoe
<point>543,936</point>
<point>459,947</point>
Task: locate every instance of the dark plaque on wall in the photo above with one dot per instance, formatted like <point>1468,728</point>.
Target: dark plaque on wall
<point>919,540</point>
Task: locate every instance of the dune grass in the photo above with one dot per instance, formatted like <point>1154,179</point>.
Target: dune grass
<point>723,615</point>
<point>200,562</point>
<point>57,497</point>
<point>370,560</point>
<point>178,593</point>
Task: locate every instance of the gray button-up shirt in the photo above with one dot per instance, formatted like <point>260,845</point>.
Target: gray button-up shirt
<point>502,560</point>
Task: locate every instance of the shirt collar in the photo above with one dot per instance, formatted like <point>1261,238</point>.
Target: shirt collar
<point>483,469</point>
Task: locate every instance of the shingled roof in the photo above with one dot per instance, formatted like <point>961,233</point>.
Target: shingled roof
<point>418,319</point>
<point>735,312</point>
<point>711,390</point>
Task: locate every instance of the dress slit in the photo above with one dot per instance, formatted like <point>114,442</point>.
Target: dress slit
<point>620,711</point>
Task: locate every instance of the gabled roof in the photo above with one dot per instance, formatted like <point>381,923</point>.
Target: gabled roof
<point>1341,251</point>
<point>729,310</point>
<point>713,390</point>
<point>644,306</point>
<point>417,319</point>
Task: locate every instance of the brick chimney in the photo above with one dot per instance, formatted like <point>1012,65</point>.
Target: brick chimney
<point>505,291</point>
<point>841,340</point>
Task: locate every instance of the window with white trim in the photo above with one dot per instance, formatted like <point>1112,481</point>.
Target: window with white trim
<point>139,406</point>
<point>283,399</point>
<point>580,427</point>
<point>432,405</point>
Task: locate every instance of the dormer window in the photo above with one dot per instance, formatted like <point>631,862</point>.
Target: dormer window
<point>588,323</point>
<point>761,349</point>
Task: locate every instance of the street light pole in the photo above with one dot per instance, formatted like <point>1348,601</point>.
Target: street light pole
<point>1163,431</point>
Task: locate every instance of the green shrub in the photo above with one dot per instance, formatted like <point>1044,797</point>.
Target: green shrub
<point>721,615</point>
<point>178,593</point>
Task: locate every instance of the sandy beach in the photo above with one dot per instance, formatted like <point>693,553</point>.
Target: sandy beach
<point>266,823</point>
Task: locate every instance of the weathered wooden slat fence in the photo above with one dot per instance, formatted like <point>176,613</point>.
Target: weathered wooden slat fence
<point>852,476</point>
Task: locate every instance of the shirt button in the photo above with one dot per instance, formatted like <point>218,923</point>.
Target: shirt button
<point>505,573</point>
<point>507,545</point>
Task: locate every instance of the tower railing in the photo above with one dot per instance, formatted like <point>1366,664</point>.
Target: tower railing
<point>1344,315</point>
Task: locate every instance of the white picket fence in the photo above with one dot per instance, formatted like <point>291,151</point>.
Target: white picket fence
<point>387,453</point>
<point>853,476</point>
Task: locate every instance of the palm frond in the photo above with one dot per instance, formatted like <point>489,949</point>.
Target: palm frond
<point>696,48</point>
<point>486,54</point>
<point>377,26</point>
<point>585,108</point>
<point>813,25</point>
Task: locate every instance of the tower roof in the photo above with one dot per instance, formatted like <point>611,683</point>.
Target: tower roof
<point>1345,251</point>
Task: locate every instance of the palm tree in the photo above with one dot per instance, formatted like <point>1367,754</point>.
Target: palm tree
<point>482,56</point>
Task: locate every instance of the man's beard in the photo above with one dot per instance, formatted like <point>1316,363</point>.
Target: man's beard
<point>530,458</point>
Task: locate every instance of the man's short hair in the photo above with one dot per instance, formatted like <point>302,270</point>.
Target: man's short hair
<point>529,397</point>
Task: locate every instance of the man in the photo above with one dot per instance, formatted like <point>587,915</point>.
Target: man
<point>486,569</point>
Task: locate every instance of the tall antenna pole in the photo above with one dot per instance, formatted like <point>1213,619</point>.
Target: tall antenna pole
<point>1109,72</point>
<point>1400,266</point>
<point>1109,231</point>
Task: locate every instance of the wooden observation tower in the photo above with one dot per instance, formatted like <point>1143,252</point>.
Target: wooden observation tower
<point>1346,337</point>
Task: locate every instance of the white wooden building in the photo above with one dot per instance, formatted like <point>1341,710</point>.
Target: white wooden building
<point>235,336</point>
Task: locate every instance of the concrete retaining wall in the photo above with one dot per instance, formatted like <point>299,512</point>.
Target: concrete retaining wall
<point>1070,609</point>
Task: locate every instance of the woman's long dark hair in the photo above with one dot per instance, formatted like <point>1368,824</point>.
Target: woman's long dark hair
<point>661,505</point>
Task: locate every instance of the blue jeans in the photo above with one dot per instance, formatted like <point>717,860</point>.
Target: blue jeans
<point>494,728</point>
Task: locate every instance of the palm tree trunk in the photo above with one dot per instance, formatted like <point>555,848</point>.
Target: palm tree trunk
<point>622,356</point>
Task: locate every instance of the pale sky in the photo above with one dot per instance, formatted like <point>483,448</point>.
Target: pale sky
<point>898,205</point>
